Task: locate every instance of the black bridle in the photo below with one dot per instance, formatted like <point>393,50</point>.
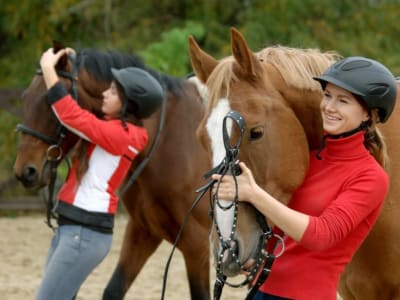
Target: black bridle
<point>54,152</point>
<point>264,260</point>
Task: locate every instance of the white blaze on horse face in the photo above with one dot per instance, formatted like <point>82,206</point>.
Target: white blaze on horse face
<point>214,129</point>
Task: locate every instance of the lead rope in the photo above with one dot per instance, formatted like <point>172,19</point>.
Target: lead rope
<point>230,164</point>
<point>231,155</point>
<point>265,259</point>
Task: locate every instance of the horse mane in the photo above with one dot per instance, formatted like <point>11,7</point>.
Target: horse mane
<point>98,65</point>
<point>297,67</point>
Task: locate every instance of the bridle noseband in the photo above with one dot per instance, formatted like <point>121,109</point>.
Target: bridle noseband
<point>264,260</point>
<point>229,165</point>
<point>54,152</point>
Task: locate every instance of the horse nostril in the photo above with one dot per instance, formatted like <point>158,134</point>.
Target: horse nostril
<point>30,174</point>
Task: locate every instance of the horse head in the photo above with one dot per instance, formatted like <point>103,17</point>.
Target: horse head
<point>275,145</point>
<point>43,142</point>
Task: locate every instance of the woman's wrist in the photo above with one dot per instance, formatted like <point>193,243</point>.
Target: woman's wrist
<point>257,195</point>
<point>50,76</point>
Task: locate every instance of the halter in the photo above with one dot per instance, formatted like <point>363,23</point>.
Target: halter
<point>230,166</point>
<point>264,260</point>
<point>54,142</point>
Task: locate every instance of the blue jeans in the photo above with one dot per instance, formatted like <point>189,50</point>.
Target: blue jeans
<point>262,296</point>
<point>74,252</point>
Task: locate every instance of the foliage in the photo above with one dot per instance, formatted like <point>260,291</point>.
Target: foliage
<point>158,30</point>
<point>163,55</point>
<point>367,28</point>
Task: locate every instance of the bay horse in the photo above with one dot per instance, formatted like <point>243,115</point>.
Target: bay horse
<point>274,91</point>
<point>159,198</point>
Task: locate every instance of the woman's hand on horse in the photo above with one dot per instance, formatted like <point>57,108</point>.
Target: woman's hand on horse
<point>49,59</point>
<point>226,188</point>
<point>47,63</point>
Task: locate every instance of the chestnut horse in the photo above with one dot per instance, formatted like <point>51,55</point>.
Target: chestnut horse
<point>274,91</point>
<point>159,198</point>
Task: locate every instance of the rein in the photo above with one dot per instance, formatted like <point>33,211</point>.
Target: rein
<point>54,143</point>
<point>263,260</point>
<point>144,162</point>
<point>229,165</point>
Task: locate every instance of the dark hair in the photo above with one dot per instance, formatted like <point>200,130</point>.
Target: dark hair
<point>129,108</point>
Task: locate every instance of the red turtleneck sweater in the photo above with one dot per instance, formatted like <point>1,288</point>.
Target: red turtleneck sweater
<point>343,194</point>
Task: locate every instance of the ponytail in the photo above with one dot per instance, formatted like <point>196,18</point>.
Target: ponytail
<point>374,141</point>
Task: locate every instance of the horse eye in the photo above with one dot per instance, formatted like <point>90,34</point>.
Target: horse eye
<point>256,133</point>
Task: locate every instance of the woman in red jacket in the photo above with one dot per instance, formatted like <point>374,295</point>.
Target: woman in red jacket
<point>332,212</point>
<point>87,201</point>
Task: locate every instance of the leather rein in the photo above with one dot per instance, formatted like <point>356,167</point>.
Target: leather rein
<point>263,260</point>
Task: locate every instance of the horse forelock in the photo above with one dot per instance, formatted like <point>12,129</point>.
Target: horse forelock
<point>220,80</point>
<point>298,66</point>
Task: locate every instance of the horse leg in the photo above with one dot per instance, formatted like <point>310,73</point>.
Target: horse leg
<point>195,250</point>
<point>138,245</point>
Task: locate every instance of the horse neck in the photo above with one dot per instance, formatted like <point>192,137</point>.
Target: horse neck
<point>305,105</point>
<point>304,101</point>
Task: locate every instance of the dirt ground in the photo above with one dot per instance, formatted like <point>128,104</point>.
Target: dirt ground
<point>24,242</point>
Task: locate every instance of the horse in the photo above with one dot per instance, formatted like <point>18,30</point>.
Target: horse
<point>158,200</point>
<point>274,91</point>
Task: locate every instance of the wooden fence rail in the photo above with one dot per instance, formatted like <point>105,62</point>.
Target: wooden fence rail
<point>29,203</point>
<point>9,99</point>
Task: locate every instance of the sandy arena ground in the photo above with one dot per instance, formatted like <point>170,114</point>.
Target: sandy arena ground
<point>23,246</point>
<point>24,243</point>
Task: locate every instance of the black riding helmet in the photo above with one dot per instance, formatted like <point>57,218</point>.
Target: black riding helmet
<point>366,78</point>
<point>141,88</point>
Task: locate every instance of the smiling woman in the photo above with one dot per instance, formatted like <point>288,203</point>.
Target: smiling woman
<point>341,111</point>
<point>358,93</point>
<point>332,206</point>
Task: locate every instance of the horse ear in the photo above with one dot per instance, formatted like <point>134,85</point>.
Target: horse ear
<point>242,53</point>
<point>57,46</point>
<point>202,63</point>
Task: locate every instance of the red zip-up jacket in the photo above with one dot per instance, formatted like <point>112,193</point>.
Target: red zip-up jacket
<point>110,154</point>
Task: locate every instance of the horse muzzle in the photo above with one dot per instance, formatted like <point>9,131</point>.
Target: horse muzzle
<point>30,176</point>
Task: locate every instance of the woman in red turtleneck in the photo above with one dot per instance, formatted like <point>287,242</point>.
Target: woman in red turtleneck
<point>332,212</point>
